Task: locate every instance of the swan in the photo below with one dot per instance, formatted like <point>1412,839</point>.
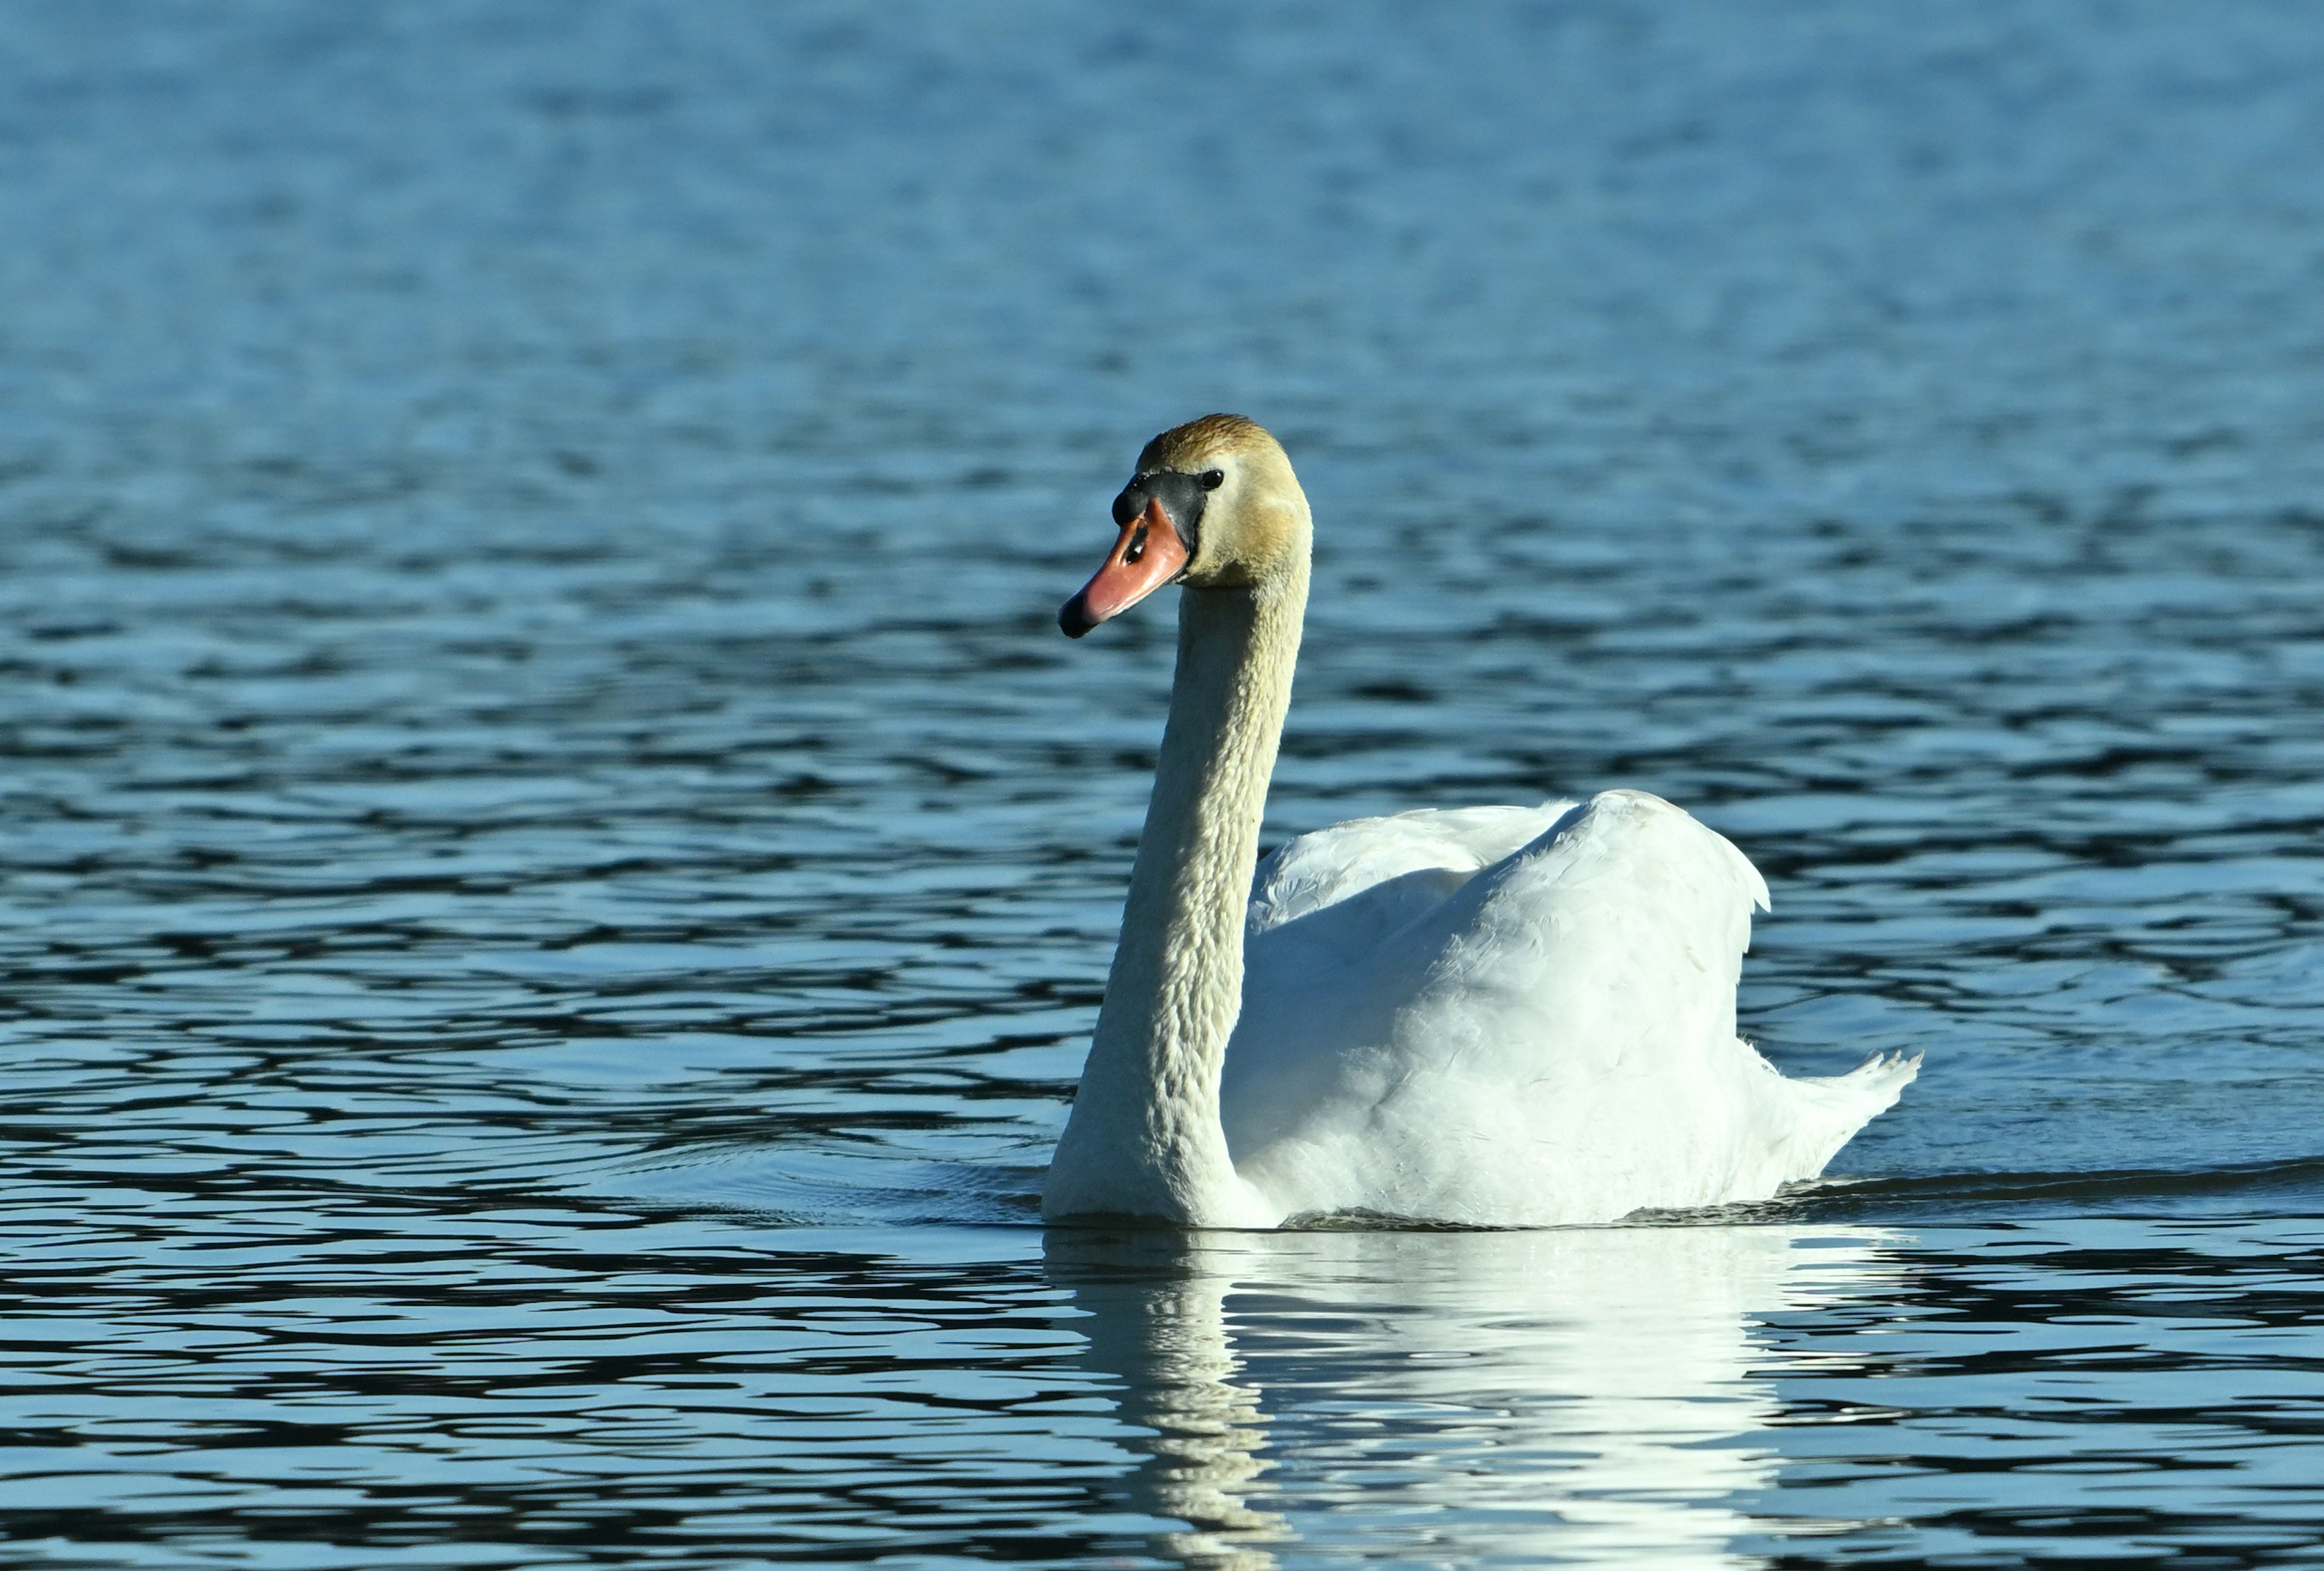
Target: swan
<point>1495,1016</point>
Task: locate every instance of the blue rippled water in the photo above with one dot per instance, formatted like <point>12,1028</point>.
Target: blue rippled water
<point>555,870</point>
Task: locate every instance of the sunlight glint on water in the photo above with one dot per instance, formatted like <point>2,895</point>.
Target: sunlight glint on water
<point>556,870</point>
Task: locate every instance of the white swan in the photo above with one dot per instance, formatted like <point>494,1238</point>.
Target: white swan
<point>1499,1016</point>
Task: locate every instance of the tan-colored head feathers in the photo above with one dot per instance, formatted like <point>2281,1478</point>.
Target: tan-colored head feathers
<point>1188,447</point>
<point>1255,526</point>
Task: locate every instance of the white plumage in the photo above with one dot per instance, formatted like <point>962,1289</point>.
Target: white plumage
<point>1516,1016</point>
<point>1499,1016</point>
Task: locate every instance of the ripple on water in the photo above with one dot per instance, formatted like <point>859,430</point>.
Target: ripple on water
<point>556,872</point>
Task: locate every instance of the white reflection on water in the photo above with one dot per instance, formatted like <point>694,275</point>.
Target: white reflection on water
<point>1587,1393</point>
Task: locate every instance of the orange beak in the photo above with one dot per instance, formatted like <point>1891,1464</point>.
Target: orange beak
<point>1149,555</point>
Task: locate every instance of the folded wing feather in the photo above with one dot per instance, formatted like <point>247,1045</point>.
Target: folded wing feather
<point>1513,1013</point>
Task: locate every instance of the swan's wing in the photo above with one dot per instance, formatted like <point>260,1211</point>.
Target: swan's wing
<point>1557,1029</point>
<point>1321,905</point>
<point>1377,875</point>
<point>1349,924</point>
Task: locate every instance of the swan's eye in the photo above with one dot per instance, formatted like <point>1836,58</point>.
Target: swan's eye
<point>1213,478</point>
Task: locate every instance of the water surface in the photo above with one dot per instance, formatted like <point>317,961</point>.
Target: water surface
<point>555,871</point>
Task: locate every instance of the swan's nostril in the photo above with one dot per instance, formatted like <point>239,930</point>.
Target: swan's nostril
<point>1147,556</point>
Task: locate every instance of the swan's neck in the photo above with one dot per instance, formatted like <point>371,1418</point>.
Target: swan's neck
<point>1143,1137</point>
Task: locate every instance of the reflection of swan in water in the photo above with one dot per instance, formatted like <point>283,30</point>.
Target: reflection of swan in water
<point>1451,1396</point>
<point>1157,1320</point>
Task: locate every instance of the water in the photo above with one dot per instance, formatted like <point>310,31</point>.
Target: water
<point>558,872</point>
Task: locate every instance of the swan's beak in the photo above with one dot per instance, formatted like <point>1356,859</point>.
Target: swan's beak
<point>1149,555</point>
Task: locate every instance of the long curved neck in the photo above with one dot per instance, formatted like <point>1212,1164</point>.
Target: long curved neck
<point>1143,1137</point>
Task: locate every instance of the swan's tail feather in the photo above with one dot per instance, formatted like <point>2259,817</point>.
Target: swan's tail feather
<point>1883,1074</point>
<point>1833,1107</point>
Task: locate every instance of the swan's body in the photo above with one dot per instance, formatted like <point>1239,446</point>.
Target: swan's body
<point>1502,1016</point>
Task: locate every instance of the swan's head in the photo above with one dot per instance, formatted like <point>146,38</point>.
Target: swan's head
<point>1213,505</point>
